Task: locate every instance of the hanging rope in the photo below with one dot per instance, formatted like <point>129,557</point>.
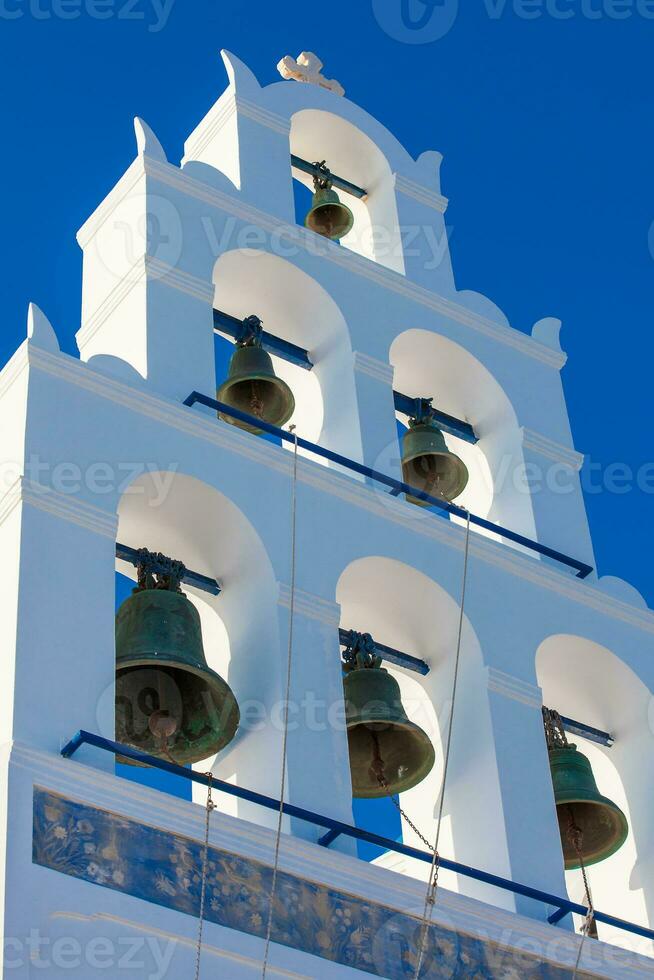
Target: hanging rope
<point>432,885</point>
<point>289,660</point>
<point>203,886</point>
<point>576,838</point>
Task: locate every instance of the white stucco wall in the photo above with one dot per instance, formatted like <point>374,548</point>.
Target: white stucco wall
<point>219,499</point>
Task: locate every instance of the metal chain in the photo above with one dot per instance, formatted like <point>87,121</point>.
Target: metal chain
<point>289,661</point>
<point>405,817</point>
<point>576,838</point>
<point>432,885</point>
<point>377,769</point>
<point>203,887</point>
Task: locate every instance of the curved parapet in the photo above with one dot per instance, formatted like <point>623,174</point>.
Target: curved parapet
<point>618,588</point>
<point>483,306</point>
<point>241,78</point>
<point>40,332</point>
<point>548,332</point>
<point>147,143</point>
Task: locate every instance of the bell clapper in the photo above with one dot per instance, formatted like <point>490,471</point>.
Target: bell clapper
<point>163,726</point>
<point>377,768</point>
<point>256,402</point>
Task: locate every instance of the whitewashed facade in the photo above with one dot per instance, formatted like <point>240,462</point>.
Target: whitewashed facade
<point>100,448</point>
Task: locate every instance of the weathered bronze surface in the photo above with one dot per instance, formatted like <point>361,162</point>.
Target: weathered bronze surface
<point>378,730</point>
<point>428,464</point>
<point>602,823</point>
<point>253,387</point>
<point>328,215</point>
<point>169,703</point>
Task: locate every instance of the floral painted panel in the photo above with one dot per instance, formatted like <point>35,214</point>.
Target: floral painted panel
<point>164,868</point>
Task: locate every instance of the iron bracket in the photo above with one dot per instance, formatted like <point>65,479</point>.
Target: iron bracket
<point>389,654</point>
<point>204,582</point>
<point>317,172</point>
<point>422,407</point>
<point>235,328</point>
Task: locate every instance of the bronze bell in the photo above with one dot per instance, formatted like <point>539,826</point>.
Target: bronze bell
<point>598,825</point>
<point>253,387</point>
<point>388,753</point>
<point>427,463</point>
<point>169,703</point>
<point>328,215</point>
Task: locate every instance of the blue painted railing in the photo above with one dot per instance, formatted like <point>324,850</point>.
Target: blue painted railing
<point>337,828</point>
<point>397,486</point>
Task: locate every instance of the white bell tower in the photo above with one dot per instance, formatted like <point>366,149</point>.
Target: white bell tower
<point>102,876</point>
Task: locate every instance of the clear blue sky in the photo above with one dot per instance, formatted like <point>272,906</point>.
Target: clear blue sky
<point>545,123</point>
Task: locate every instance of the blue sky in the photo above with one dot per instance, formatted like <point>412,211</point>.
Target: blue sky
<point>543,111</point>
<point>545,124</point>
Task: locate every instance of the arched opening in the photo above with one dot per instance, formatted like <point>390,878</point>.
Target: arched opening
<point>318,135</point>
<point>296,308</point>
<point>405,609</point>
<point>428,365</point>
<point>588,683</point>
<point>186,519</point>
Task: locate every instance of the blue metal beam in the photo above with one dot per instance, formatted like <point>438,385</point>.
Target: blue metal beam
<point>585,731</point>
<point>556,917</point>
<point>448,423</point>
<point>231,325</point>
<point>336,827</point>
<point>191,578</point>
<point>340,182</point>
<point>581,568</point>
<point>388,653</point>
<point>329,838</point>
